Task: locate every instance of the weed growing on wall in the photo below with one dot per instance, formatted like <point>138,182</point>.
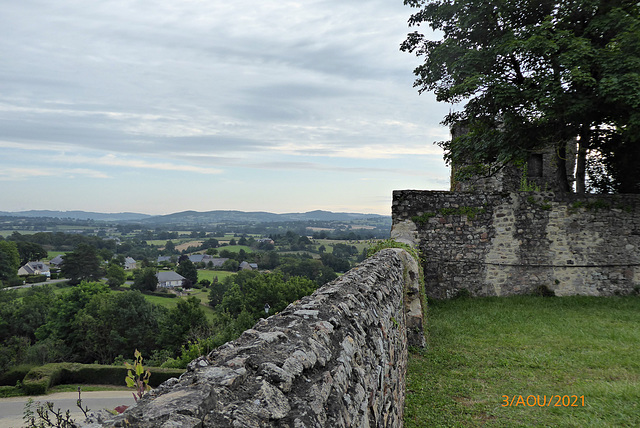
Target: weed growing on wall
<point>525,184</point>
<point>137,377</point>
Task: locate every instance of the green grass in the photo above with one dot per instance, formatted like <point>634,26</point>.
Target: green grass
<point>53,254</point>
<point>481,349</point>
<point>234,248</point>
<point>170,303</point>
<point>210,274</point>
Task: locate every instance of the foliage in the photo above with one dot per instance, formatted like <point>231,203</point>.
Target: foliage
<point>309,268</point>
<point>390,243</point>
<point>145,279</point>
<point>30,251</point>
<point>45,415</point>
<point>187,269</point>
<point>116,275</point>
<point>525,184</point>
<point>249,291</point>
<point>82,264</point>
<point>186,321</point>
<point>9,260</point>
<point>117,323</point>
<point>137,377</point>
<point>535,74</point>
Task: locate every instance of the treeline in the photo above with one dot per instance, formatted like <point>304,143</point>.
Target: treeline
<point>62,241</point>
<point>91,322</point>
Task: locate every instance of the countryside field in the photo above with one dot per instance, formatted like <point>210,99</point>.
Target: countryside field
<point>483,351</point>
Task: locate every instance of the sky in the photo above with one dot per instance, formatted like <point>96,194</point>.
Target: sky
<point>158,107</point>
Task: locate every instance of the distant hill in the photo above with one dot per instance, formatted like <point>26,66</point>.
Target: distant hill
<point>195,217</point>
<point>77,215</point>
<point>221,216</point>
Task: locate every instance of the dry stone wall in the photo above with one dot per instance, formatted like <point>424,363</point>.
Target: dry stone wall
<point>334,359</point>
<point>496,244</point>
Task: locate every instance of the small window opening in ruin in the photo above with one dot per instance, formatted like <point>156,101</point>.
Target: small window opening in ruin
<point>534,165</point>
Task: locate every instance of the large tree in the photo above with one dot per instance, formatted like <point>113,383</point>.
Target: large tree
<point>9,261</point>
<point>30,251</point>
<point>187,269</point>
<point>533,74</point>
<point>82,264</point>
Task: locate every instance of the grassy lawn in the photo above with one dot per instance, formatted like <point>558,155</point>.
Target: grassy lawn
<point>480,350</point>
<point>210,274</point>
<point>53,254</point>
<point>170,303</point>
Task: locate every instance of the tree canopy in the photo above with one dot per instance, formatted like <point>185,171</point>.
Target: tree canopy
<point>82,264</point>
<point>9,260</point>
<point>533,74</point>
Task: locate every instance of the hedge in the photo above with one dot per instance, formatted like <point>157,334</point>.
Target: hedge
<point>161,294</point>
<point>32,279</point>
<point>38,380</point>
<point>15,374</point>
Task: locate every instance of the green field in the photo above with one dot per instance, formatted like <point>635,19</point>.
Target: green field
<point>235,248</point>
<point>52,254</point>
<point>482,350</point>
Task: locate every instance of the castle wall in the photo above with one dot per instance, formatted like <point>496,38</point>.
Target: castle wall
<point>334,359</point>
<point>496,244</point>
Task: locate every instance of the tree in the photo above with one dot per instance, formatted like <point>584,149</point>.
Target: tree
<point>116,276</point>
<point>30,251</point>
<point>169,248</point>
<point>145,279</point>
<point>187,269</point>
<point>9,260</point>
<point>113,324</point>
<point>536,74</point>
<point>230,265</point>
<point>179,323</point>
<point>82,264</point>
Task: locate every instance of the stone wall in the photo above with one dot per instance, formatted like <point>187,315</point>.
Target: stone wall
<point>334,359</point>
<point>496,244</point>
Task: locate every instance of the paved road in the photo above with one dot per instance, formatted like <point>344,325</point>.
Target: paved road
<point>51,281</point>
<point>11,409</point>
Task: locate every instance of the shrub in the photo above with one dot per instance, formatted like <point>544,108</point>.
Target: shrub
<point>544,291</point>
<point>15,374</point>
<point>32,279</point>
<point>40,379</point>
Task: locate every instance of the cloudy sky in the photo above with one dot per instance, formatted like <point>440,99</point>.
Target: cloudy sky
<point>255,105</point>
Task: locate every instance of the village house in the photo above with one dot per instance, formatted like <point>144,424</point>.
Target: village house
<point>169,279</point>
<point>34,268</point>
<point>129,263</point>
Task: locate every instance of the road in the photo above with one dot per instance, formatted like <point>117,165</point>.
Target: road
<point>11,409</point>
<point>51,281</point>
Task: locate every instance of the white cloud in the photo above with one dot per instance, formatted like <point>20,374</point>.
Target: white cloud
<point>210,87</point>
<point>115,161</point>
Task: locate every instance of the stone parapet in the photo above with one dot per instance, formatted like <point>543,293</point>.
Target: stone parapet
<point>336,358</point>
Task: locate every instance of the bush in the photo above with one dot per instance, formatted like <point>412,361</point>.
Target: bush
<point>40,379</point>
<point>15,374</point>
<point>13,282</point>
<point>544,291</point>
<point>161,294</point>
<point>32,279</point>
